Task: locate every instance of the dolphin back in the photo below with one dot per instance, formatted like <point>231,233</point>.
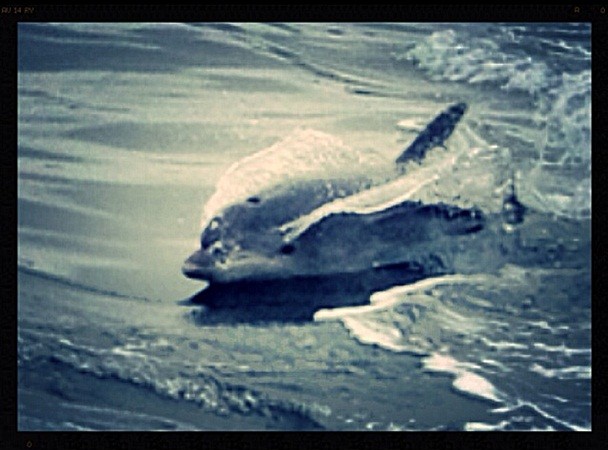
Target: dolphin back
<point>435,134</point>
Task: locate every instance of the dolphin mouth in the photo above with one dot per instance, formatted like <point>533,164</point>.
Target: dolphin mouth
<point>199,266</point>
<point>193,271</point>
<point>243,265</point>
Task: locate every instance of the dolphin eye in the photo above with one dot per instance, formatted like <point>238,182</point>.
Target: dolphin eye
<point>287,249</point>
<point>254,200</point>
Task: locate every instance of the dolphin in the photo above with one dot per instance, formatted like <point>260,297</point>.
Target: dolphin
<point>314,222</point>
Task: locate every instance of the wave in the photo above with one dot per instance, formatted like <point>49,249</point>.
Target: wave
<point>469,327</point>
<point>521,411</point>
<point>448,55</point>
<point>558,85</point>
<point>510,57</point>
<point>143,364</point>
<point>477,329</point>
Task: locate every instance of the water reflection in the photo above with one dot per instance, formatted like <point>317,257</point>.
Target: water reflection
<point>293,299</point>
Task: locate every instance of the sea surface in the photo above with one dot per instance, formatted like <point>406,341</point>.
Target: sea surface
<point>124,131</point>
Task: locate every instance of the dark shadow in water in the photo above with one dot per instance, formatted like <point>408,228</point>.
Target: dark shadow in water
<point>294,299</point>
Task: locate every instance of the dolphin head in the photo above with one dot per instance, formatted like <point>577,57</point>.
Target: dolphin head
<point>238,266</point>
<point>244,239</point>
<point>239,242</point>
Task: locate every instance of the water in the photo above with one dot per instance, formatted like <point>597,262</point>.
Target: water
<point>125,131</point>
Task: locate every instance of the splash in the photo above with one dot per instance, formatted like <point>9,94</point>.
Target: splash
<point>557,84</point>
<point>465,381</point>
<point>304,154</point>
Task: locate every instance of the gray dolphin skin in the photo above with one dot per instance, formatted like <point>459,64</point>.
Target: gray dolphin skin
<point>435,134</point>
<point>245,241</point>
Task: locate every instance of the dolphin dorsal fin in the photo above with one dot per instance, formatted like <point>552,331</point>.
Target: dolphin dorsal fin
<point>435,134</point>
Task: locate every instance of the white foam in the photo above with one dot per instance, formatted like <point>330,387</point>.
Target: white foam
<point>561,349</point>
<point>394,296</point>
<point>383,336</point>
<point>565,373</point>
<point>369,201</point>
<point>465,381</point>
<point>75,427</point>
<point>526,404</point>
<point>557,398</point>
<point>549,416</point>
<point>411,125</point>
<point>394,427</point>
<point>480,426</point>
<point>472,383</point>
<point>563,100</point>
<point>502,345</point>
<point>449,55</point>
<point>304,154</point>
<point>505,408</point>
<point>371,425</point>
<point>370,329</point>
<point>123,351</point>
<point>494,363</point>
<point>544,325</point>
